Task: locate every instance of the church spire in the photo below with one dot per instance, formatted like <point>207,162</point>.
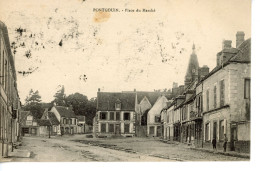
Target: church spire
<point>193,48</point>
<point>193,67</point>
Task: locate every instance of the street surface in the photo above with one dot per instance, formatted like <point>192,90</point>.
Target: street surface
<point>78,148</point>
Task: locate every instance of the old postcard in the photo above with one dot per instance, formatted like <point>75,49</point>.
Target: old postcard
<point>125,80</point>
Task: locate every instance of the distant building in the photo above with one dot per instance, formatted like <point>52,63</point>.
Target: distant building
<point>54,122</point>
<point>81,126</point>
<point>154,117</point>
<point>9,99</point>
<point>66,118</point>
<point>29,124</point>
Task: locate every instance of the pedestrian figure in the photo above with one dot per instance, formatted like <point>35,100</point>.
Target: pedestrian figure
<point>214,143</point>
<point>225,142</point>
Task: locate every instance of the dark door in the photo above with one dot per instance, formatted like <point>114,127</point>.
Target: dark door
<point>159,131</point>
<point>215,130</point>
<point>233,138</point>
<point>117,129</point>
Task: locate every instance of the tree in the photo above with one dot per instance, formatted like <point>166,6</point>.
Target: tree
<point>82,106</point>
<point>60,97</point>
<point>32,103</point>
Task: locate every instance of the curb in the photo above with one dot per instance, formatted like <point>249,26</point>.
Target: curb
<point>222,153</point>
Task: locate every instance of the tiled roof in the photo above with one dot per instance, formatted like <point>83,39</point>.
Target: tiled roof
<point>43,122</point>
<point>107,100</point>
<point>53,119</point>
<point>151,96</point>
<point>243,56</point>
<point>65,112</point>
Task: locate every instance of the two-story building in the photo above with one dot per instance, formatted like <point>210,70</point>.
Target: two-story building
<point>226,96</point>
<point>9,98</point>
<point>154,117</point>
<point>115,114</point>
<point>66,118</point>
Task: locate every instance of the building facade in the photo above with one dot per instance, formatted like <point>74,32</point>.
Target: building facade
<point>154,127</point>
<point>226,97</point>
<point>115,114</point>
<point>9,98</point>
<point>67,119</point>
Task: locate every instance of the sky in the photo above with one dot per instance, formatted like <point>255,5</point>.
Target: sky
<point>66,43</point>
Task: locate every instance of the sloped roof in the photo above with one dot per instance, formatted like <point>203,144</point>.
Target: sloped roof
<point>43,122</point>
<point>107,100</point>
<point>65,112</point>
<point>53,119</point>
<point>243,56</point>
<point>151,96</point>
<point>158,106</point>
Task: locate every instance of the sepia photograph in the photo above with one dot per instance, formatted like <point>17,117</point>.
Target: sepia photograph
<point>125,80</point>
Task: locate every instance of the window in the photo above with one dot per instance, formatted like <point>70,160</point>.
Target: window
<point>222,93</point>
<point>157,119</point>
<point>103,115</point>
<point>29,118</point>
<point>247,88</point>
<point>207,100</point>
<point>111,115</point>
<point>127,116</point>
<point>117,116</point>
<point>103,127</point>
<point>207,132</point>
<point>64,121</point>
<point>118,106</point>
<point>127,128</point>
<point>28,123</point>
<point>215,96</point>
<point>111,128</point>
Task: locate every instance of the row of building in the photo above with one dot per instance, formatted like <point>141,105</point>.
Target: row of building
<point>209,105</point>
<point>59,120</point>
<point>10,104</point>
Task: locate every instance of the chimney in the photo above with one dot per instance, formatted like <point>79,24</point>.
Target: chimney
<point>134,90</point>
<point>226,44</point>
<point>240,38</point>
<point>98,89</point>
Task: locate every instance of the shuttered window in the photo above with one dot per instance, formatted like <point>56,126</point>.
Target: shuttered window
<point>247,88</point>
<point>222,93</point>
<point>215,96</point>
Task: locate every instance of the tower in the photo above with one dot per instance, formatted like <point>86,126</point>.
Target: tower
<point>193,67</point>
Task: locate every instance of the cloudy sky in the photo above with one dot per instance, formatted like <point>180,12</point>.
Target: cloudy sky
<point>66,43</point>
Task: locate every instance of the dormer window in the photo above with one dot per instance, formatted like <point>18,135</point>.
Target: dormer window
<point>29,120</point>
<point>118,104</point>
